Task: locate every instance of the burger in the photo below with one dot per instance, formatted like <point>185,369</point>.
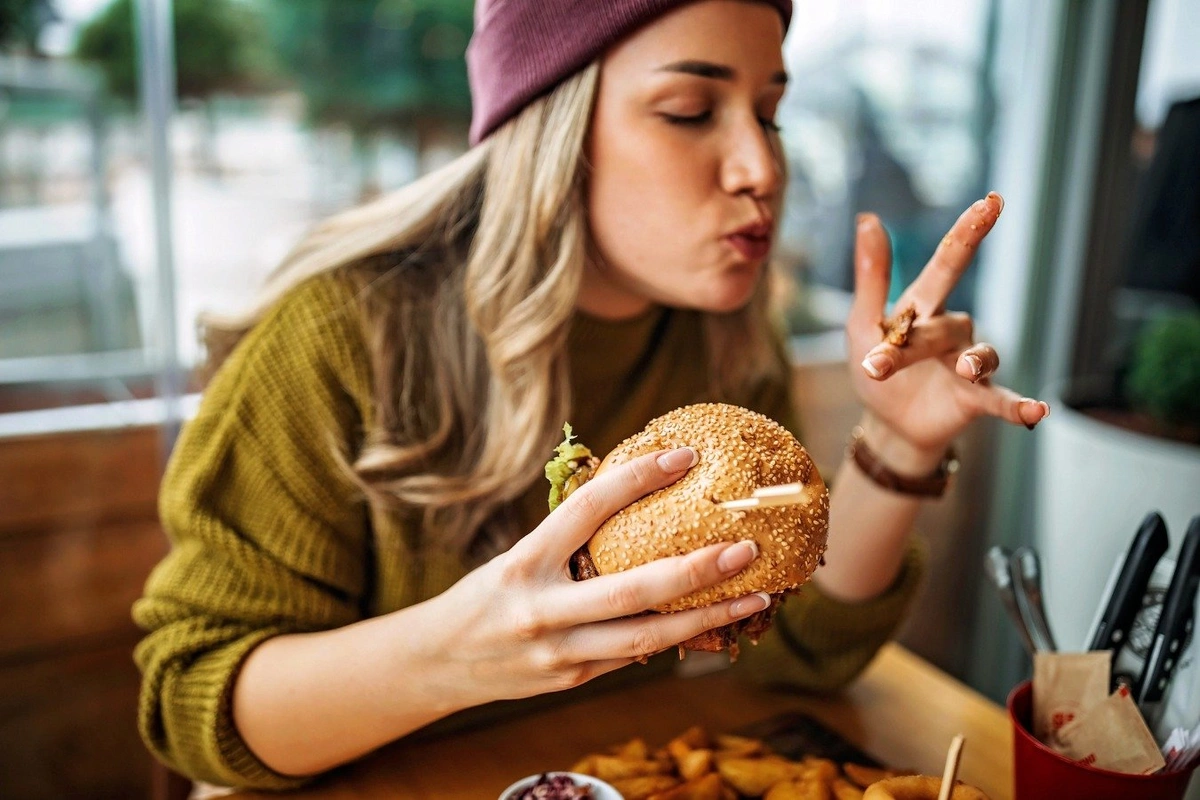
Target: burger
<point>739,453</point>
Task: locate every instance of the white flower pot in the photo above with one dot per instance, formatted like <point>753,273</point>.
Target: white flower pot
<point>1096,482</point>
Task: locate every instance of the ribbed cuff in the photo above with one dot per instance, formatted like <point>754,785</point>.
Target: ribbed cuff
<point>205,738</point>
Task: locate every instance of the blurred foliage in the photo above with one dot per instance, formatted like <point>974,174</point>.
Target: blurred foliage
<point>219,47</point>
<point>21,23</point>
<point>376,64</point>
<point>1164,375</point>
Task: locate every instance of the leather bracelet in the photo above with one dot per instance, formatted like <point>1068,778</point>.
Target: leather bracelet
<point>932,485</point>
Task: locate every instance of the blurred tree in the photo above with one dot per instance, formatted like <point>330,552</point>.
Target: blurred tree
<point>219,48</point>
<point>378,66</point>
<point>21,23</point>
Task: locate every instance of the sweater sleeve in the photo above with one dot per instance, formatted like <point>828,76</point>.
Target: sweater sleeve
<point>268,532</point>
<point>819,643</point>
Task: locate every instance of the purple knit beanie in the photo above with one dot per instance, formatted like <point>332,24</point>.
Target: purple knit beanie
<point>522,49</point>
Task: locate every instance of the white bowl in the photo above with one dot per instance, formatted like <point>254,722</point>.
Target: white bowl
<point>600,789</point>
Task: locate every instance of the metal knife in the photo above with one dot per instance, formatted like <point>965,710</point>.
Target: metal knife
<point>1175,622</point>
<point>1026,571</point>
<point>996,566</point>
<point>1125,601</point>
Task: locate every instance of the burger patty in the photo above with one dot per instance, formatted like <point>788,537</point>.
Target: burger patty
<point>713,640</point>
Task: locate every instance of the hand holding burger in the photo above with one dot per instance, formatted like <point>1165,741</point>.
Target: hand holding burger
<point>739,451</point>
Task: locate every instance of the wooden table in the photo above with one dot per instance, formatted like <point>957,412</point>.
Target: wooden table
<point>903,710</point>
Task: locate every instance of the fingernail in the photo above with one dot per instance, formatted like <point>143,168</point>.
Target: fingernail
<point>737,556</point>
<point>976,365</point>
<point>862,220</point>
<point>1027,405</point>
<point>678,460</point>
<point>999,199</point>
<point>878,365</point>
<point>751,604</point>
<point>1045,408</point>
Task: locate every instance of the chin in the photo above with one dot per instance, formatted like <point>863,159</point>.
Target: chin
<point>730,294</point>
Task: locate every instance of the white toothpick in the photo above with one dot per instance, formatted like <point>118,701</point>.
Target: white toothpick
<point>951,771</point>
<point>786,494</point>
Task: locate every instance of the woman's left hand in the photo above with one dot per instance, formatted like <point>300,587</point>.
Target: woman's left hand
<point>927,391</point>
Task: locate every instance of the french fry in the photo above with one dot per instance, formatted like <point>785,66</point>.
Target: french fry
<point>864,776</point>
<point>695,737</point>
<point>633,750</point>
<point>678,750</point>
<point>585,766</point>
<point>820,769</point>
<point>707,787</point>
<point>695,763</point>
<point>845,790</point>
<point>753,776</point>
<point>610,768</point>
<point>741,745</point>
<point>643,787</point>
<point>798,790</point>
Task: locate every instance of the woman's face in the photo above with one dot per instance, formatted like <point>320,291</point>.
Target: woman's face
<point>685,166</point>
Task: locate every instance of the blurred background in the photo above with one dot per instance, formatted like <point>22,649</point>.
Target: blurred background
<point>158,158</point>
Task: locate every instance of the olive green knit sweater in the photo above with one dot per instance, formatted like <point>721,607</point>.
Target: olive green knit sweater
<point>269,536</point>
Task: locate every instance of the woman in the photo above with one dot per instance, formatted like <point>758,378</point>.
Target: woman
<point>380,427</point>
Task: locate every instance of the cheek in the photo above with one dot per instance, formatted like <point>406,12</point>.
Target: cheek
<point>645,202</point>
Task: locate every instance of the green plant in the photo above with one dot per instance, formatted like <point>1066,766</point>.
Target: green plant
<point>218,46</point>
<point>1164,375</point>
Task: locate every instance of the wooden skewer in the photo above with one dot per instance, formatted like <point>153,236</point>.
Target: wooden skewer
<point>786,494</point>
<point>951,771</point>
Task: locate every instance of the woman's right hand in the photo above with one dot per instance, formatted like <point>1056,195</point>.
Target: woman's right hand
<point>520,626</point>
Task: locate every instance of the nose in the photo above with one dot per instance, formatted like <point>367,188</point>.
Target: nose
<point>753,162</point>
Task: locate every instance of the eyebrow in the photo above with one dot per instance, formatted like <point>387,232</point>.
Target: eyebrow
<point>707,69</point>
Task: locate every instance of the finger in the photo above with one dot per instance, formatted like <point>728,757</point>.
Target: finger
<point>1012,407</point>
<point>954,253</point>
<point>571,524</point>
<point>978,362</point>
<point>872,272</point>
<point>650,585</point>
<point>933,338</point>
<point>635,637</point>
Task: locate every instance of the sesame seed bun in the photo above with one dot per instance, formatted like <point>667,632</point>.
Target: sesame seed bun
<point>739,451</point>
<point>919,787</point>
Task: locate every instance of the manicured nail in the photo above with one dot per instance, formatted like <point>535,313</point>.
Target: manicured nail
<point>975,363</point>
<point>878,366</point>
<point>678,460</point>
<point>1045,408</point>
<point>750,604</point>
<point>737,556</point>
<point>1025,410</point>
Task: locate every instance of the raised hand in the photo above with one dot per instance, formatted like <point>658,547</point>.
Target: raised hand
<point>929,389</point>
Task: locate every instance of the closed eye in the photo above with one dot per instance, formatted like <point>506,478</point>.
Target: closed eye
<point>694,120</point>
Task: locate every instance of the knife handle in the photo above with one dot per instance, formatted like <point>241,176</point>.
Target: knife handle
<point>1125,601</point>
<point>1175,621</point>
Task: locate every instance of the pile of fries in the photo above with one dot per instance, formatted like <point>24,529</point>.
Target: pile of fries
<point>697,766</point>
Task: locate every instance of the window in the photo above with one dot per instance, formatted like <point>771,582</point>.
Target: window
<point>289,110</point>
<point>890,111</point>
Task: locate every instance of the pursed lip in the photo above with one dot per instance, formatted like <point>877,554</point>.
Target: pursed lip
<point>752,241</point>
<point>755,230</point>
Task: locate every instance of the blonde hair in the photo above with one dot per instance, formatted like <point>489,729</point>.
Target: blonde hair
<point>470,276</point>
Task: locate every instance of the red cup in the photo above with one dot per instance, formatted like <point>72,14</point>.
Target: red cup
<point>1039,772</point>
